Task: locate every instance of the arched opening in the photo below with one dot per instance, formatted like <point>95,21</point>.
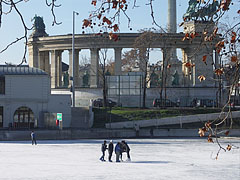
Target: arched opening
<point>23,118</point>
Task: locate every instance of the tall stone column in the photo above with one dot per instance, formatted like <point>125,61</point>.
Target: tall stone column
<point>59,64</point>
<point>56,68</point>
<point>33,55</point>
<point>76,64</point>
<point>167,75</point>
<point>172,16</point>
<point>118,61</point>
<point>143,60</point>
<point>172,26</point>
<point>44,61</point>
<point>94,75</point>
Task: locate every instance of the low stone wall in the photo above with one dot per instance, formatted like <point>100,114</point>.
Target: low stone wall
<point>169,121</point>
<point>102,134</point>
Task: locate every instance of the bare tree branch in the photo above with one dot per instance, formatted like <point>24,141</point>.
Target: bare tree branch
<point>53,5</point>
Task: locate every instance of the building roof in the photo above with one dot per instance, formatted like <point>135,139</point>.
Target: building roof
<point>20,70</point>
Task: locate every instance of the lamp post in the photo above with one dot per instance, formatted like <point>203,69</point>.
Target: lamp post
<point>73,60</point>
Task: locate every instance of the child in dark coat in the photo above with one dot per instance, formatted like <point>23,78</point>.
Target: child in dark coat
<point>103,149</point>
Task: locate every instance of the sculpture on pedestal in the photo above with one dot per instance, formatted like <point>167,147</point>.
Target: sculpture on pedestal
<point>38,27</point>
<point>195,11</point>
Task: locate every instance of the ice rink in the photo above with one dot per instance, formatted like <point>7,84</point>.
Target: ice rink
<point>152,159</point>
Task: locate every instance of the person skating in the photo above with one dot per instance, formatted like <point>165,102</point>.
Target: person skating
<point>110,151</point>
<point>103,149</point>
<point>126,149</point>
<point>33,138</point>
<point>117,151</point>
<point>121,150</point>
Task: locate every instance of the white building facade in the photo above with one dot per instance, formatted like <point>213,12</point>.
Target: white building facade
<point>25,96</point>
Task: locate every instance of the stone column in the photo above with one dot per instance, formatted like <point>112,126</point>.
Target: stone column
<point>118,61</point>
<point>94,75</point>
<point>200,68</point>
<point>172,16</point>
<point>167,73</point>
<point>44,61</point>
<point>56,71</point>
<point>59,64</point>
<point>205,69</point>
<point>172,25</point>
<point>33,55</point>
<point>143,60</point>
<point>189,56</point>
<point>76,64</point>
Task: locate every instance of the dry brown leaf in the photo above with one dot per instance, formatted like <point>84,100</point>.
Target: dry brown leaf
<point>201,78</point>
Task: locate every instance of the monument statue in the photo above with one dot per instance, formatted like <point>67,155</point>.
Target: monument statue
<point>86,79</point>
<point>66,79</point>
<point>205,13</point>
<point>192,9</point>
<point>38,27</point>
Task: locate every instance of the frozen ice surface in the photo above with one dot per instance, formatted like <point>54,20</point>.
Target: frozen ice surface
<point>152,159</point>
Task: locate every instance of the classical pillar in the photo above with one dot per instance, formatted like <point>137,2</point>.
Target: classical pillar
<point>172,16</point>
<point>59,64</point>
<point>167,79</point>
<point>118,61</point>
<point>143,60</point>
<point>44,61</point>
<point>200,67</point>
<point>33,55</point>
<point>189,72</point>
<point>56,68</point>
<point>94,75</point>
<point>172,25</point>
<point>76,64</point>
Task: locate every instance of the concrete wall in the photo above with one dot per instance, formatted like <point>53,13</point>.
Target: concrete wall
<point>102,134</point>
<point>82,117</point>
<point>33,91</point>
<point>27,87</point>
<point>61,104</point>
<point>171,120</point>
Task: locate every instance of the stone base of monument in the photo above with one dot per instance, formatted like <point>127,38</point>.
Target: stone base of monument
<point>198,26</point>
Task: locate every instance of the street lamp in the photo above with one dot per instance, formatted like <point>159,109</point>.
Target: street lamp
<point>73,60</point>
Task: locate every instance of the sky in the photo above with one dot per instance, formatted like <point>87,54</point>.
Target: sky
<point>11,27</point>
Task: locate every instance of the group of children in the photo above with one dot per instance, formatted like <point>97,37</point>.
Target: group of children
<point>119,149</point>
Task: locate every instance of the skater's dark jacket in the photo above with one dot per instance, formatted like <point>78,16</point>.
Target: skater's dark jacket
<point>124,147</point>
<point>104,147</point>
<point>110,147</point>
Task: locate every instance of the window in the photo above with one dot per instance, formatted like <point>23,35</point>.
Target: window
<point>2,85</point>
<point>23,118</point>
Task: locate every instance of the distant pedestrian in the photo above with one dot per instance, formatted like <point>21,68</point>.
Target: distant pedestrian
<point>110,150</point>
<point>33,138</point>
<point>136,127</point>
<point>126,149</point>
<point>117,151</point>
<point>103,149</point>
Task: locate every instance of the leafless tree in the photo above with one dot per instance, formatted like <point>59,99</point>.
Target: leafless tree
<point>9,6</point>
